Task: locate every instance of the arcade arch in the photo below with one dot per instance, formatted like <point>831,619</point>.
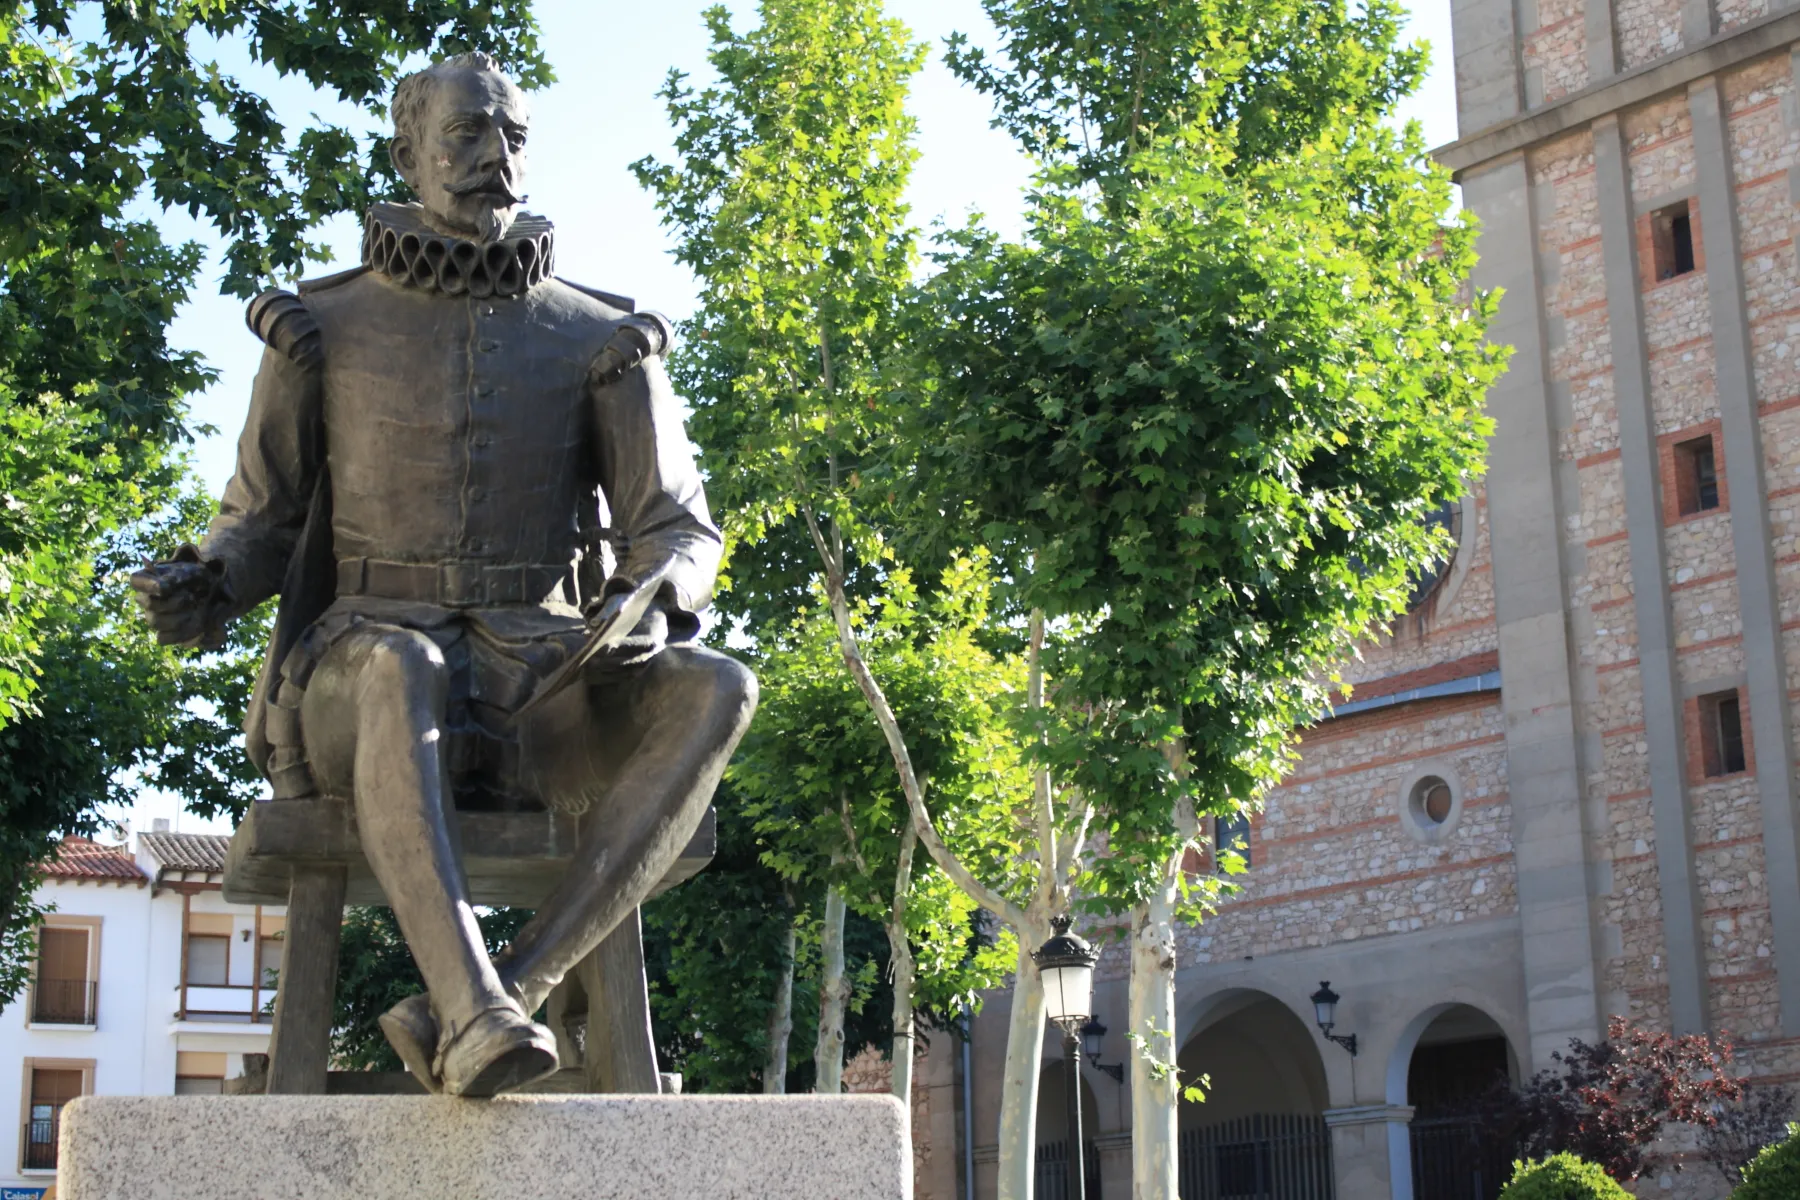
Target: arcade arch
<point>1051,1176</point>
<point>1261,1129</point>
<point>1446,1057</point>
<point>1445,1052</point>
<point>1261,1059</point>
<point>1053,1105</point>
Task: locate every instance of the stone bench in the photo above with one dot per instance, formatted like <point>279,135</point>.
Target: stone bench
<point>306,854</point>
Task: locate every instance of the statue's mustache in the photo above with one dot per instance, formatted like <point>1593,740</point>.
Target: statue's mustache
<point>494,185</point>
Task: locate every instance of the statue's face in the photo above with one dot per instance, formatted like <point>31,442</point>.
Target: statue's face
<point>468,161</point>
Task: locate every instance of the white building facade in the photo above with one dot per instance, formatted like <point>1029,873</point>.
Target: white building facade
<point>146,983</point>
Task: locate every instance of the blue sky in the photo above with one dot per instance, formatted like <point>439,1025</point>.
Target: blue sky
<point>601,115</point>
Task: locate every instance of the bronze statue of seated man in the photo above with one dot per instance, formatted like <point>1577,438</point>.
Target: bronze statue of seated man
<point>447,449</point>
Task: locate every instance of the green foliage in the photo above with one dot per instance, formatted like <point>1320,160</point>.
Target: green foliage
<point>1093,82</point>
<point>819,782</point>
<point>111,711</point>
<point>713,947</point>
<point>1773,1174</point>
<point>714,951</point>
<point>376,972</point>
<point>787,195</point>
<point>1201,413</point>
<point>788,202</point>
<point>1562,1177</point>
<point>96,119</point>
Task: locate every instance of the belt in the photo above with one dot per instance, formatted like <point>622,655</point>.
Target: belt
<point>452,584</point>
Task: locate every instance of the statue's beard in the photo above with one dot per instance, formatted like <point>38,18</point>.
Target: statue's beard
<point>494,218</point>
<point>491,224</point>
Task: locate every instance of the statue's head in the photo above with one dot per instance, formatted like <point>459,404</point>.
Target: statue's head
<point>459,140</point>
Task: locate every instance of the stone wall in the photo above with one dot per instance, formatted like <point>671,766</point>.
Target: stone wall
<point>1646,30</point>
<point>1332,860</point>
<point>1455,623</point>
<point>1554,51</point>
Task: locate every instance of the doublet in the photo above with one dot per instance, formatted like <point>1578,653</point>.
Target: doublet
<point>429,445</point>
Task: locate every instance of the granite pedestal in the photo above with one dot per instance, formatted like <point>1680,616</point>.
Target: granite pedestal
<point>513,1148</point>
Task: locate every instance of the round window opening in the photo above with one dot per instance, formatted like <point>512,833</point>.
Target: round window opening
<point>1431,800</point>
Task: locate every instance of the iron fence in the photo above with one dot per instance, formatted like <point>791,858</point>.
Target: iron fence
<point>1052,1171</point>
<point>1267,1156</point>
<point>1453,1158</point>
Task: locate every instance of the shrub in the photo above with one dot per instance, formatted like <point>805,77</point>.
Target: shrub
<point>1562,1177</point>
<point>1775,1173</point>
<point>1608,1102</point>
<point>1744,1128</point>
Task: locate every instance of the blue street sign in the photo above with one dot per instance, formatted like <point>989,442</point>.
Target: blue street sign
<point>13,1193</point>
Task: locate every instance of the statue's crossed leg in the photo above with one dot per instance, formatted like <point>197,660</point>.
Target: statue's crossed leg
<point>639,753</point>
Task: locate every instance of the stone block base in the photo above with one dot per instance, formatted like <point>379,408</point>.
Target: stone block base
<point>513,1148</point>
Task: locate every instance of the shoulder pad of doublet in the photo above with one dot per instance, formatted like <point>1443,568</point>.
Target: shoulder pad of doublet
<point>308,286</point>
<point>623,303</point>
<point>657,328</point>
<point>636,339</point>
<point>280,319</point>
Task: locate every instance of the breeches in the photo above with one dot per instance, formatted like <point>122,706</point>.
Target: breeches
<point>563,756</point>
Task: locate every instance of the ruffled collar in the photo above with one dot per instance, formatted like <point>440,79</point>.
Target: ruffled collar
<point>399,244</point>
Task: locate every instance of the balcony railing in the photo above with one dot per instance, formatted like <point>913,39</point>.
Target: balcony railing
<point>39,1143</point>
<point>225,1002</point>
<point>64,1001</point>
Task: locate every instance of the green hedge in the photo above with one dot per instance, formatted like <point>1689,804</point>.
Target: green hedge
<point>1562,1177</point>
<point>1774,1174</point>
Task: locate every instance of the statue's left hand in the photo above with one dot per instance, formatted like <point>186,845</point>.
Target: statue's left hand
<point>643,643</point>
<point>184,599</point>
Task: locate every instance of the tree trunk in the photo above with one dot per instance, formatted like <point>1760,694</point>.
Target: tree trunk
<point>904,970</point>
<point>781,1017</point>
<point>901,958</point>
<point>834,995</point>
<point>1025,1036</point>
<point>1019,1089</point>
<point>1155,1086</point>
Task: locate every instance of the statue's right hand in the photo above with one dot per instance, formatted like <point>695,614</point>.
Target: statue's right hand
<point>181,599</point>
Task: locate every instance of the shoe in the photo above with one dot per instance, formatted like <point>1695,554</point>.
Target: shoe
<point>413,1033</point>
<point>499,1051</point>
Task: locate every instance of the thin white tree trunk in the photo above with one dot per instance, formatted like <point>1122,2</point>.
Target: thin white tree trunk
<point>1155,1086</point>
<point>1025,1035</point>
<point>914,791</point>
<point>1019,1088</point>
<point>834,995</point>
<point>900,956</point>
<point>900,962</point>
<point>781,1018</point>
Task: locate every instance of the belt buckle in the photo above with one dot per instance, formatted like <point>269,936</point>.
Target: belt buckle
<point>460,584</point>
<point>352,576</point>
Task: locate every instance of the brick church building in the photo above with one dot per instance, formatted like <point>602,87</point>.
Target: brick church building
<point>1564,788</point>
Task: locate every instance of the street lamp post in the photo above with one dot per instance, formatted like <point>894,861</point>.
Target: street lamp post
<point>1066,963</point>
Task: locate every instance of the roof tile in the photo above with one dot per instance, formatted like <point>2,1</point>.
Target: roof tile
<point>187,851</point>
<point>78,858</point>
